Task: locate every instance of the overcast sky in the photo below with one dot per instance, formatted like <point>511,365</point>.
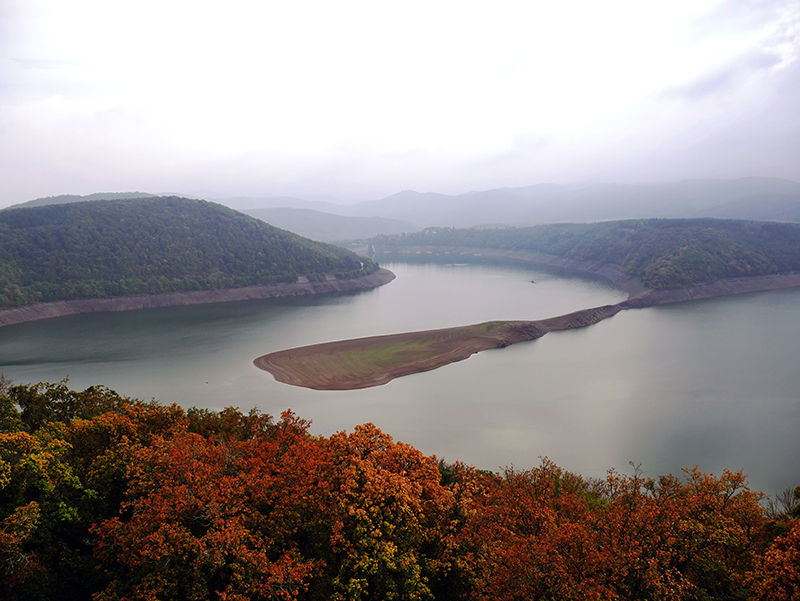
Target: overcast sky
<point>363,99</point>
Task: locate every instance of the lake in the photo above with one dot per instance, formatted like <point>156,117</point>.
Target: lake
<point>713,383</point>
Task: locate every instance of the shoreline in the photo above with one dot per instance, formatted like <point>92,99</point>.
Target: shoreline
<point>38,311</point>
<point>614,273</point>
<point>376,360</point>
<point>324,366</point>
<point>729,287</point>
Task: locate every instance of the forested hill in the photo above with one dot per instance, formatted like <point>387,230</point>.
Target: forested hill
<point>663,253</point>
<point>149,245</point>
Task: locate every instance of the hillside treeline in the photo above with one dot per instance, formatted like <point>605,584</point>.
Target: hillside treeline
<point>142,246</point>
<point>662,253</point>
<point>104,497</point>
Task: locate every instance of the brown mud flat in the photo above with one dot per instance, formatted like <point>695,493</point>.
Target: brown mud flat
<point>38,311</point>
<point>374,361</point>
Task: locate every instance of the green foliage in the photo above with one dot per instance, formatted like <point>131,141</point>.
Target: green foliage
<point>663,253</point>
<point>63,468</point>
<point>230,424</point>
<point>41,403</point>
<point>150,245</point>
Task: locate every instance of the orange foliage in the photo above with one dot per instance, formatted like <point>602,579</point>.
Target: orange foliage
<point>145,502</point>
<point>782,569</point>
<point>545,534</point>
<point>195,526</point>
<point>387,506</point>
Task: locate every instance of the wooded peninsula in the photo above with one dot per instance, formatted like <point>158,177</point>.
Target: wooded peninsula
<point>118,248</point>
<point>661,253</point>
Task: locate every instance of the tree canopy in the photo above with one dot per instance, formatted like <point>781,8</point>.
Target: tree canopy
<point>147,245</point>
<point>663,253</point>
<point>105,497</point>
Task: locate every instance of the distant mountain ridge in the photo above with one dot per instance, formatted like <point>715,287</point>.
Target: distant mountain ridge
<point>549,203</point>
<point>327,227</point>
<point>107,248</point>
<point>757,198</point>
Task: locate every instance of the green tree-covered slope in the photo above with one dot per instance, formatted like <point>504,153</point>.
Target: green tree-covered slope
<point>134,246</point>
<point>663,253</point>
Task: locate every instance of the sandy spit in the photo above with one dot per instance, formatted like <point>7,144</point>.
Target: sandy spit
<point>327,366</point>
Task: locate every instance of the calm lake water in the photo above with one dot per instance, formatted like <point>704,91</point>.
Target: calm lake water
<point>713,383</point>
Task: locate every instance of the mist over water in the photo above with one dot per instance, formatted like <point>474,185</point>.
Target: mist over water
<point>711,383</point>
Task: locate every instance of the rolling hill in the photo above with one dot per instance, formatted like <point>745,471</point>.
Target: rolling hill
<point>69,198</point>
<point>662,253</point>
<point>108,248</point>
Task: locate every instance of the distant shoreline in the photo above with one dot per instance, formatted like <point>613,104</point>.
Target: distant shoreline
<point>729,287</point>
<point>374,361</point>
<point>38,311</point>
<point>628,283</point>
<point>638,294</point>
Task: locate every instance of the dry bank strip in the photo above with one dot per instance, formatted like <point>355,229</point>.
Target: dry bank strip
<point>38,311</point>
<point>374,361</point>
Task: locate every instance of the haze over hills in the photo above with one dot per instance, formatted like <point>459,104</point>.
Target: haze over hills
<point>768,207</point>
<point>327,227</point>
<point>756,198</point>
<point>249,203</point>
<point>549,203</point>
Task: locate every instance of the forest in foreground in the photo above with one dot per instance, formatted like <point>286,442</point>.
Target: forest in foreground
<point>106,497</point>
<point>662,253</point>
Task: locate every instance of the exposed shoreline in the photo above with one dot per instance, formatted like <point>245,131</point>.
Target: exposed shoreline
<point>25,313</point>
<point>336,365</point>
<point>351,364</point>
<point>729,287</point>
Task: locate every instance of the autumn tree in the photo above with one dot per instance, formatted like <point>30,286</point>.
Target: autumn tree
<point>529,537</point>
<point>547,534</point>
<point>196,522</point>
<point>782,569</point>
<point>389,513</point>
